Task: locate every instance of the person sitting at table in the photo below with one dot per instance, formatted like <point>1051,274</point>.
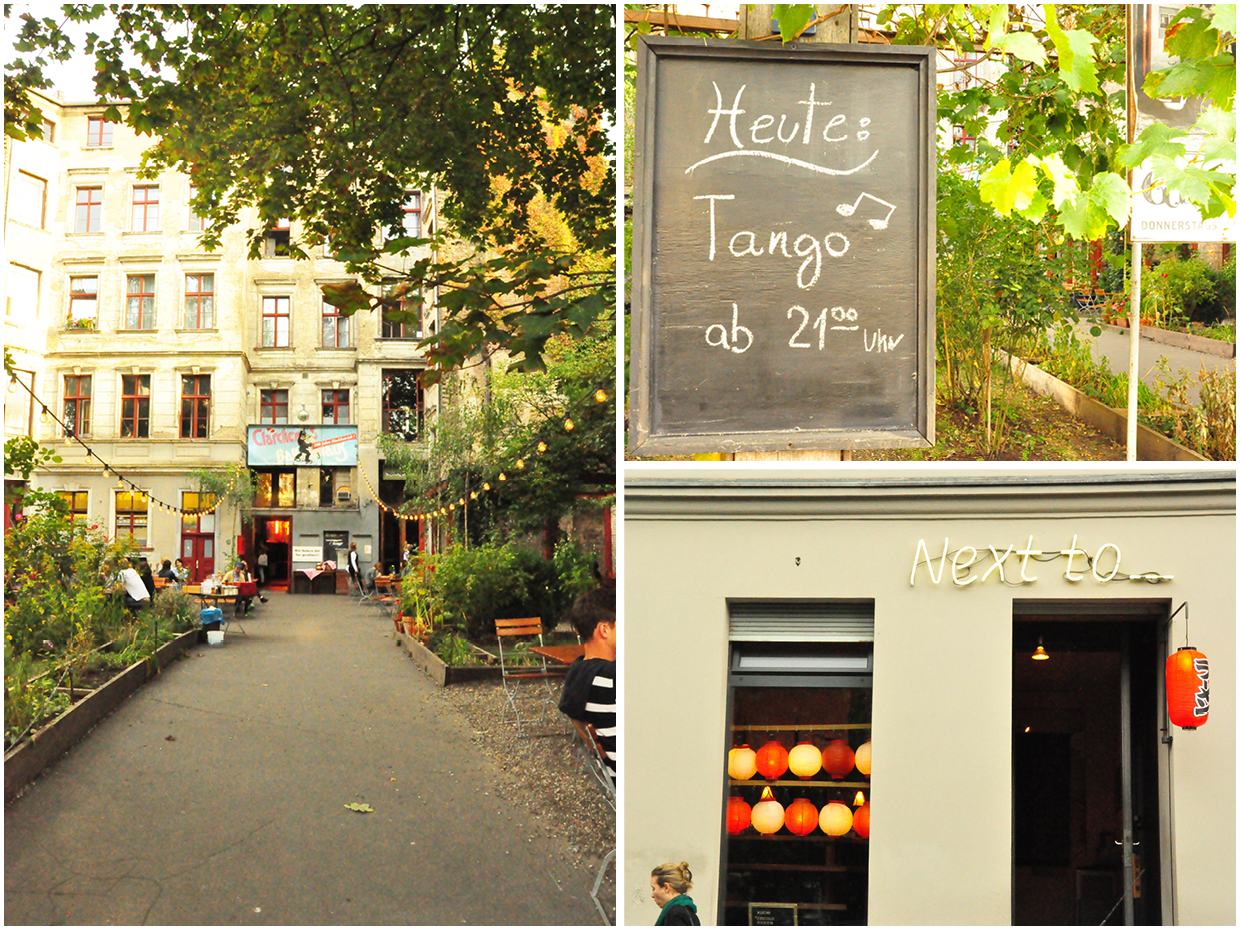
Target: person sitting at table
<point>374,571</point>
<point>166,572</point>
<point>236,575</point>
<point>589,692</point>
<point>180,572</point>
<point>148,579</point>
<point>136,594</point>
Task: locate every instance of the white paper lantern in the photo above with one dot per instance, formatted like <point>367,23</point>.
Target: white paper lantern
<point>804,760</point>
<point>768,814</point>
<point>835,818</point>
<point>742,763</point>
<point>863,758</point>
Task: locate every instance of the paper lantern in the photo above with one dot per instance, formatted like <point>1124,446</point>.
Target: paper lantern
<point>1188,688</point>
<point>768,814</point>
<point>804,760</point>
<point>835,818</point>
<point>742,763</point>
<point>861,820</point>
<point>801,817</point>
<point>863,759</point>
<point>837,758</point>
<point>739,813</point>
<point>772,760</point>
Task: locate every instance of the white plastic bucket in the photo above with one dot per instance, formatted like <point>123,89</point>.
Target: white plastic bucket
<point>215,637</point>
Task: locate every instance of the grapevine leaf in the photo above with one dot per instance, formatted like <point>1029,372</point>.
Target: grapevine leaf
<point>793,18</point>
<point>1024,45</point>
<point>1077,68</point>
<point>1111,194</point>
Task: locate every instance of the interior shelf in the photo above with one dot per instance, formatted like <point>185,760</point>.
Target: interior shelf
<point>803,727</point>
<point>798,783</point>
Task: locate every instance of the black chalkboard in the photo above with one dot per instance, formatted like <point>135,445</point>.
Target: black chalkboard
<point>336,546</point>
<point>783,247</point>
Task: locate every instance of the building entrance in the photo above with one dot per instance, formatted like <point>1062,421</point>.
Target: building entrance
<point>1086,715</point>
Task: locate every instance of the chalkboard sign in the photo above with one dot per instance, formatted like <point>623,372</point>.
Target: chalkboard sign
<point>336,546</point>
<point>783,247</point>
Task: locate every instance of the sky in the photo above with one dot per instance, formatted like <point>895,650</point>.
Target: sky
<point>73,78</point>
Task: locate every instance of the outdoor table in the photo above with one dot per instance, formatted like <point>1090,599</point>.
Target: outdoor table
<point>564,655</point>
<point>310,574</point>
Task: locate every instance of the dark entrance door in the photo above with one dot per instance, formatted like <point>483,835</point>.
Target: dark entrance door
<point>1085,747</point>
<point>274,534</point>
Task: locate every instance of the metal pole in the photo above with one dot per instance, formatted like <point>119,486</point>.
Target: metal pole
<point>1134,341</point>
<point>1125,765</point>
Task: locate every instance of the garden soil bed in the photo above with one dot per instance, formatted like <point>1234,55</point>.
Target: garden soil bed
<point>25,761</point>
<point>441,672</point>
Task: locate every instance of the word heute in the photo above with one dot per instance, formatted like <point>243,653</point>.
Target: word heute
<point>966,557</point>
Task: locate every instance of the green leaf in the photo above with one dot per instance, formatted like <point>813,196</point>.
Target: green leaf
<point>793,18</point>
<point>1156,140</point>
<point>360,808</point>
<point>1035,209</point>
<point>1110,193</point>
<point>1024,45</point>
<point>1225,18</point>
<point>1082,220</point>
<point>994,185</point>
<point>1077,68</point>
<point>1062,177</point>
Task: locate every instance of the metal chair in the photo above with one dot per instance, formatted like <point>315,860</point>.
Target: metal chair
<point>513,675</point>
<point>595,759</point>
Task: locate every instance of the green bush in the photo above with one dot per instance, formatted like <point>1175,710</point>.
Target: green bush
<point>474,586</point>
<point>1181,288</point>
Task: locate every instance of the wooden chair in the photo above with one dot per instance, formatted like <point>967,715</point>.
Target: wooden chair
<point>385,595</point>
<point>514,675</point>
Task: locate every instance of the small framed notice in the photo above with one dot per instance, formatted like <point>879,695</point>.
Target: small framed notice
<point>762,914</point>
<point>308,554</point>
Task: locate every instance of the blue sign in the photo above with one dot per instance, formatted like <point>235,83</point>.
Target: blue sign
<point>324,446</point>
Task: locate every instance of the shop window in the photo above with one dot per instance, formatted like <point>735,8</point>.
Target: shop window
<point>77,405</point>
<point>336,406</point>
<point>273,407</point>
<point>88,216</point>
<point>402,404</point>
<point>145,214</point>
<point>276,489</point>
<point>195,406</point>
<point>135,406</point>
<point>140,301</point>
<point>29,200</point>
<point>98,132</point>
<point>131,515</point>
<point>199,301</point>
<point>790,693</point>
<point>276,322</point>
<point>76,502</point>
<point>336,328</point>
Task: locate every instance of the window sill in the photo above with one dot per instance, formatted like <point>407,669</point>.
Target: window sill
<point>272,348</point>
<point>337,348</point>
<point>203,330</point>
<point>82,330</point>
<point>133,331</point>
<point>141,232</point>
<point>74,233</point>
<point>25,225</point>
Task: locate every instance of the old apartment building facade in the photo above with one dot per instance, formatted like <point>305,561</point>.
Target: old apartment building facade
<point>164,357</point>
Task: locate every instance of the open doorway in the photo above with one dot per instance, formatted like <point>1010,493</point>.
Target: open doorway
<point>1086,713</point>
<point>273,535</point>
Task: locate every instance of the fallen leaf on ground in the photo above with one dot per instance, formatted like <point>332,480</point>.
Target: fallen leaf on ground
<point>170,738</point>
<point>360,808</point>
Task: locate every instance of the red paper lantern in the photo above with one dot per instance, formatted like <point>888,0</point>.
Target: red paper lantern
<point>772,760</point>
<point>801,817</point>
<point>1188,688</point>
<point>861,820</point>
<point>739,813</point>
<point>837,758</point>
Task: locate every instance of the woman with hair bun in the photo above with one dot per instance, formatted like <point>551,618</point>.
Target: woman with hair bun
<point>669,886</point>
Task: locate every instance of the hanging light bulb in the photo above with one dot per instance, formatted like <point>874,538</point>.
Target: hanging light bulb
<point>461,502</point>
<point>43,414</point>
<point>600,395</point>
<point>502,476</point>
<point>1040,654</point>
<point>569,424</point>
<point>542,447</point>
<point>473,495</point>
<point>486,485</point>
<point>520,463</point>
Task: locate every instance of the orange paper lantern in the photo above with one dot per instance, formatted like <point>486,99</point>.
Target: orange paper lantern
<point>835,819</point>
<point>861,820</point>
<point>838,758</point>
<point>772,760</point>
<point>801,817</point>
<point>804,760</point>
<point>768,814</point>
<point>739,813</point>
<point>863,759</point>
<point>1188,688</point>
<point>742,762</point>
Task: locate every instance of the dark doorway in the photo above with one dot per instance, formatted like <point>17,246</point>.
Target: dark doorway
<point>1072,792</point>
<point>274,535</point>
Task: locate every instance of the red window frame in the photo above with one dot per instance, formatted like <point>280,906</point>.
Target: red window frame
<point>196,223</point>
<point>341,328</point>
<point>77,405</point>
<point>77,502</point>
<point>145,214</point>
<point>80,294</point>
<point>390,329</point>
<point>276,309</point>
<point>131,518</point>
<point>135,406</point>
<point>91,200</point>
<point>411,206</point>
<point>199,301</point>
<point>195,406</point>
<point>98,132</point>
<point>334,402</point>
<point>273,406</point>
<point>141,300</point>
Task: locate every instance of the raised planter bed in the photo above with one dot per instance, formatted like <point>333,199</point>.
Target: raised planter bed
<point>440,671</point>
<point>1182,340</point>
<point>25,761</point>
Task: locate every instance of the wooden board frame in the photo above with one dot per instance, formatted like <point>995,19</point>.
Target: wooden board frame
<point>647,437</point>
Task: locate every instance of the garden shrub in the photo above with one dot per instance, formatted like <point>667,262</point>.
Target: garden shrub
<point>1181,288</point>
<point>26,702</point>
<point>472,586</point>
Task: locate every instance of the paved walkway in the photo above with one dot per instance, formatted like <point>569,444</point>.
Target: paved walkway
<point>1113,346</point>
<point>215,795</point>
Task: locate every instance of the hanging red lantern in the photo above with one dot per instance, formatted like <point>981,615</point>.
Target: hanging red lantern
<point>772,760</point>
<point>739,813</point>
<point>1188,688</point>
<point>861,820</point>
<point>837,758</point>
<point>801,817</point>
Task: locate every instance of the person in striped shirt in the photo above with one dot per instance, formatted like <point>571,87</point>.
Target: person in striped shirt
<point>589,693</point>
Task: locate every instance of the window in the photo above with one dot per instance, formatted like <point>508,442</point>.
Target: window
<point>22,293</point>
<point>89,217</point>
<point>77,405</point>
<point>77,502</point>
<point>395,328</point>
<point>131,509</point>
<point>402,404</point>
<point>276,489</point>
<point>135,406</point>
<point>412,208</point>
<point>275,321</point>
<point>83,301</point>
<point>194,522</point>
<point>336,406</point>
<point>335,328</point>
<point>195,406</point>
<point>199,301</point>
<point>48,128</point>
<point>145,209</point>
<point>98,132</point>
<point>196,223</point>
<point>29,200</point>
<point>278,243</point>
<point>273,407</point>
<point>335,487</point>
<point>140,301</point>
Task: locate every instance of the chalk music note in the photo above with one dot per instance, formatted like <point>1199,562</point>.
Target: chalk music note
<point>848,209</point>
